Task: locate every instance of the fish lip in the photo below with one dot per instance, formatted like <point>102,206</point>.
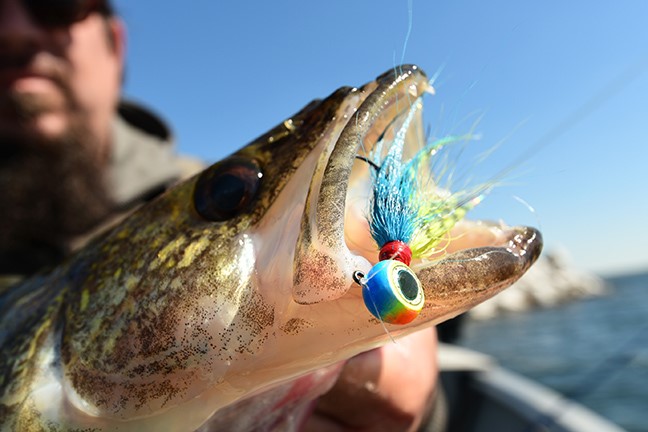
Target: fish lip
<point>486,270</point>
<point>394,92</point>
<point>321,243</point>
<point>463,279</point>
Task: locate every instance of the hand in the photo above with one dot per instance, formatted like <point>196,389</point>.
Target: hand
<point>386,389</point>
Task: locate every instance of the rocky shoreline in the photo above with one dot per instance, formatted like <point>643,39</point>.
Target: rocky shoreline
<point>550,282</point>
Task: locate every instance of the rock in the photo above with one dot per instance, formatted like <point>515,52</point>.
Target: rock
<point>550,282</point>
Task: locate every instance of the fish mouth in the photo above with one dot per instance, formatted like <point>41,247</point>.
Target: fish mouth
<point>335,236</point>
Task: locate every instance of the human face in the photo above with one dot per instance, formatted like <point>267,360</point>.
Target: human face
<point>53,76</point>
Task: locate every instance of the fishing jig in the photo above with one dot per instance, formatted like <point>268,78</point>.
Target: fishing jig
<point>391,291</point>
<point>408,217</point>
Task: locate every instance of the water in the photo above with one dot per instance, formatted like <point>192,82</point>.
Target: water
<point>594,351</point>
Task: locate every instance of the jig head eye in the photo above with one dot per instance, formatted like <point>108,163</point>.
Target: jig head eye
<point>392,292</point>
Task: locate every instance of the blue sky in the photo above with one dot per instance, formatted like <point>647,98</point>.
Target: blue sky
<point>564,85</point>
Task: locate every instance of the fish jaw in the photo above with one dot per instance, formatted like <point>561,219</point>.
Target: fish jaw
<point>326,305</point>
<point>321,242</point>
<point>481,260</point>
<point>316,299</point>
<point>334,243</point>
<point>465,278</point>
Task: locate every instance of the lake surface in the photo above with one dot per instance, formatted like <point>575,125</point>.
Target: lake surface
<point>594,351</point>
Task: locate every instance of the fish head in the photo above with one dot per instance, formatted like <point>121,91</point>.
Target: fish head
<point>241,278</point>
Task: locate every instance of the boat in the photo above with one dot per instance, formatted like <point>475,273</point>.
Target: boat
<point>478,395</point>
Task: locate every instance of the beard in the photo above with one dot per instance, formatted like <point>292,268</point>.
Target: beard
<point>52,189</point>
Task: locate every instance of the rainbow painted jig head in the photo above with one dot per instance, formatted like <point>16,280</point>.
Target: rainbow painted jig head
<point>391,290</point>
<point>408,217</point>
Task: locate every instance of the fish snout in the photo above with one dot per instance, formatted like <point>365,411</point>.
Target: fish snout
<point>468,277</point>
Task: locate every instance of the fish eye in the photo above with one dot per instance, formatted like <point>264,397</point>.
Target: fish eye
<point>227,188</point>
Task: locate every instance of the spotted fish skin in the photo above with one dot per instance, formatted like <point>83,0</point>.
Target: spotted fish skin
<point>170,319</point>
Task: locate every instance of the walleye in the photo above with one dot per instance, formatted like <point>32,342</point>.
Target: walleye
<point>201,309</point>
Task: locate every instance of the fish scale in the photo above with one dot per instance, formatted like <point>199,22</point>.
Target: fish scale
<point>176,321</point>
